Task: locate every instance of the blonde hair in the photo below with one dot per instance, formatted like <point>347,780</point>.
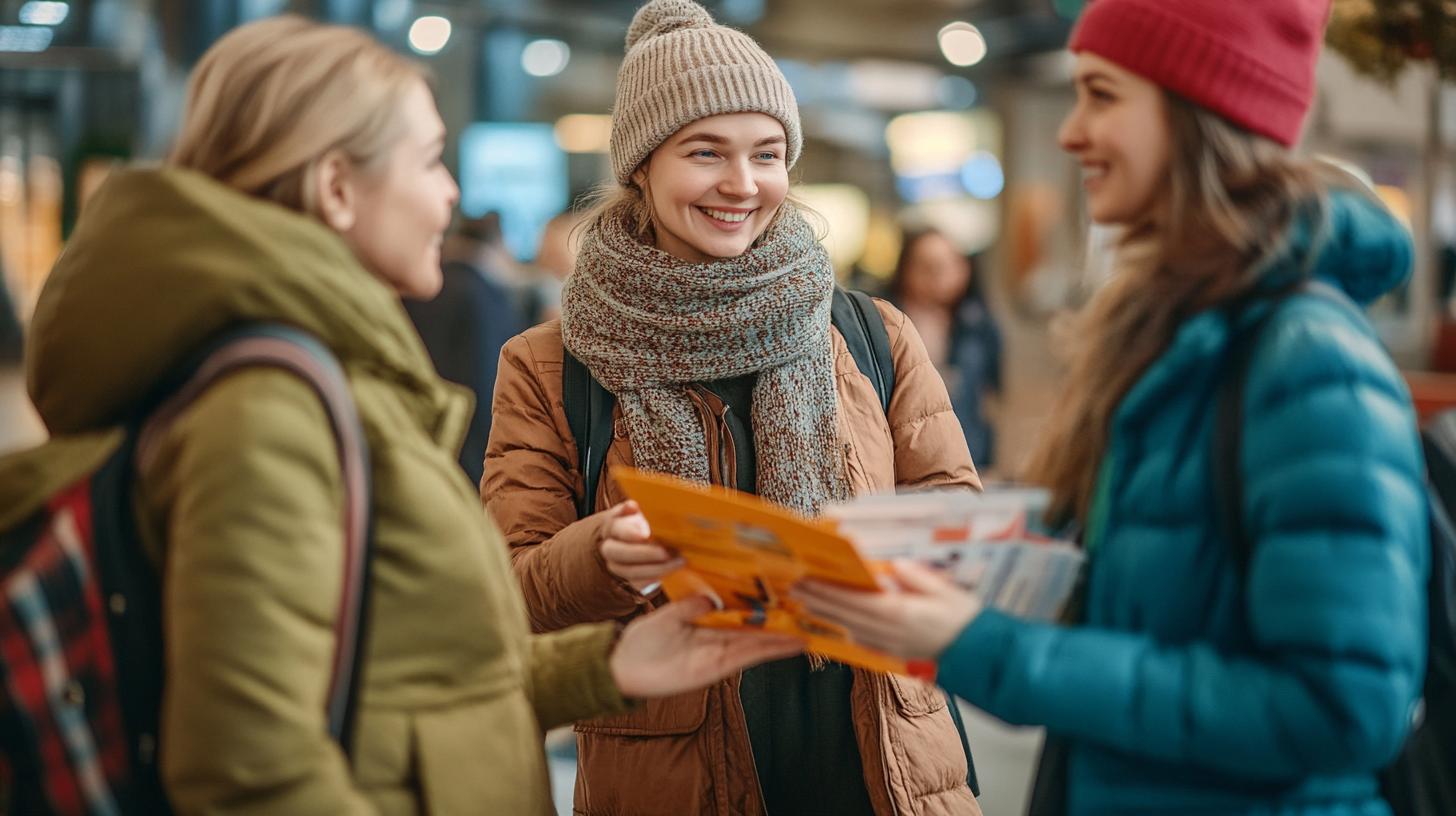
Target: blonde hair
<point>1227,207</point>
<point>268,101</point>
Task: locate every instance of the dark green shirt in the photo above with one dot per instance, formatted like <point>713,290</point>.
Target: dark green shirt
<point>799,720</point>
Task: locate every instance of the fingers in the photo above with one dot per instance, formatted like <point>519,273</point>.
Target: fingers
<point>626,508</point>
<point>866,615</point>
<point>631,527</point>
<point>756,648</point>
<point>626,553</point>
<point>685,610</point>
<point>919,578</point>
<point>642,577</point>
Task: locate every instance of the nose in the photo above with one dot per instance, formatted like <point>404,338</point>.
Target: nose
<point>738,180</point>
<point>1072,135</point>
<point>454,189</point>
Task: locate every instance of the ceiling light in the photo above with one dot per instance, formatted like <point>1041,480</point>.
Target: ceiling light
<point>584,133</point>
<point>428,35</point>
<point>40,13</point>
<point>545,58</point>
<point>962,44</point>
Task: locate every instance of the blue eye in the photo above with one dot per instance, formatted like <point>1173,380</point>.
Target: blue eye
<point>768,155</point>
<point>704,153</point>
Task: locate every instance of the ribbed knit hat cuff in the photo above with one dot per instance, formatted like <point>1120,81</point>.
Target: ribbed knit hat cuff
<point>651,119</point>
<point>1159,46</point>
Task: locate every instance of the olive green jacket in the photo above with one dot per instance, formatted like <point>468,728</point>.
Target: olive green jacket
<point>242,505</point>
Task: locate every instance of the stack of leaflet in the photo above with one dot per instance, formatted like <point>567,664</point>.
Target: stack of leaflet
<point>983,541</point>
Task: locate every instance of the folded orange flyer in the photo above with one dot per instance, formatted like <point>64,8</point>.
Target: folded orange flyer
<point>747,554</point>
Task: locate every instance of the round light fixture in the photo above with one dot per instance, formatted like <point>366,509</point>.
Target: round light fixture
<point>428,35</point>
<point>545,58</point>
<point>962,44</point>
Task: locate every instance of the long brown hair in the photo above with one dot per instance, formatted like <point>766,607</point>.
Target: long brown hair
<point>1227,206</point>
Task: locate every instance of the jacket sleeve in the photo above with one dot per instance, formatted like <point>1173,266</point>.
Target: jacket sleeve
<point>1334,599</point>
<point>529,488</point>
<point>571,677</point>
<point>246,486</point>
<point>930,448</point>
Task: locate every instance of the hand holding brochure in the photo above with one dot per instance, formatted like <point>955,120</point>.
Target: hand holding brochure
<point>747,554</point>
<point>982,541</point>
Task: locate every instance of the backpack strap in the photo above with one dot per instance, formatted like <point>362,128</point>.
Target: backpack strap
<point>589,414</point>
<point>1228,426</point>
<point>304,356</point>
<point>862,326</point>
<point>589,406</point>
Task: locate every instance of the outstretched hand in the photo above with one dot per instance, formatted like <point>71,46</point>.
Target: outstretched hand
<point>917,617</point>
<point>663,653</point>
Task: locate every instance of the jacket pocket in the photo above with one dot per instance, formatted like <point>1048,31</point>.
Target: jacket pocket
<point>648,762</point>
<point>679,714</point>
<point>915,698</point>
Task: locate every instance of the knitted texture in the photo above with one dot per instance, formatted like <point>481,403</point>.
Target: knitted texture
<point>681,67</point>
<point>647,325</point>
<point>1250,61</point>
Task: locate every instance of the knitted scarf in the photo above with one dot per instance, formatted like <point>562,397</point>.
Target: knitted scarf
<point>648,325</point>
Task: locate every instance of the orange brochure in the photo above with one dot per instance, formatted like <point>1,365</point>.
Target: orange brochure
<point>746,554</point>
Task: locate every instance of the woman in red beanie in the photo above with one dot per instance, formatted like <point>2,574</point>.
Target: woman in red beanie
<point>1198,680</point>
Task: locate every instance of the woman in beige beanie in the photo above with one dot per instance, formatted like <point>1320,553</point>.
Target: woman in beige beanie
<point>700,302</point>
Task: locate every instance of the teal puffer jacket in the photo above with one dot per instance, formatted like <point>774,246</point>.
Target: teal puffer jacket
<point>1191,689</point>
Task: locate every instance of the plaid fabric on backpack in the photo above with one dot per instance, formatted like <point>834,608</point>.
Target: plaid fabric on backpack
<point>80,618</point>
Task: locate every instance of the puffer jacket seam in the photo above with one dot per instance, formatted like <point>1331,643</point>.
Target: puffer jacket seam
<point>921,419</point>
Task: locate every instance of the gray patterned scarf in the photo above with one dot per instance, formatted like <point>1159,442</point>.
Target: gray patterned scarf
<point>647,325</point>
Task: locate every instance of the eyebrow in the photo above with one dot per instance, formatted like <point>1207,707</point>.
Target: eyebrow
<point>713,138</point>
<point>1093,76</point>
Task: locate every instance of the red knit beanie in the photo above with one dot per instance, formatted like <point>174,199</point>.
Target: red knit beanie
<point>1251,61</point>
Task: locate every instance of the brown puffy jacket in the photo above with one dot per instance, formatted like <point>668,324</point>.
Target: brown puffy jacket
<point>690,754</point>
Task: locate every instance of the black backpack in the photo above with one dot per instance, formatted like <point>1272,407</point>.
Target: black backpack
<point>589,414</point>
<point>1422,780</point>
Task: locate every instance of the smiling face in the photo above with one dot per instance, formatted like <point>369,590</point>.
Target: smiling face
<point>402,208</point>
<point>1119,132</point>
<point>716,185</point>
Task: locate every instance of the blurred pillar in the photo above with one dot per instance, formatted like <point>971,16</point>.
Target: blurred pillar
<point>349,12</point>
<point>505,88</point>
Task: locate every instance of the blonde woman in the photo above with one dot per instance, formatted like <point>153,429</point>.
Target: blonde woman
<point>1200,684</point>
<point>306,188</point>
<point>701,301</point>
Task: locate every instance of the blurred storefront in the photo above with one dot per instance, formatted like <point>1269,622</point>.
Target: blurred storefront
<point>936,113</point>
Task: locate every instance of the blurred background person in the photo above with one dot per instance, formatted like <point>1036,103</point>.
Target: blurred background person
<point>555,258</point>
<point>478,309</point>
<point>940,290</point>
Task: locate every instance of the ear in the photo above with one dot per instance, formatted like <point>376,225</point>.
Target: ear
<point>639,176</point>
<point>336,191</point>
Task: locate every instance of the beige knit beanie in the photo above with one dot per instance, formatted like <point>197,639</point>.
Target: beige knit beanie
<point>681,67</point>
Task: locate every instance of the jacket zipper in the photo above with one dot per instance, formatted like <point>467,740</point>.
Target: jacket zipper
<point>725,438</point>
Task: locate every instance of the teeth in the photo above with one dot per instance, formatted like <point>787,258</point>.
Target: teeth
<point>732,218</point>
<point>1093,172</point>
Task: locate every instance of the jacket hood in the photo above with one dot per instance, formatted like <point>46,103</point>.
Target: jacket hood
<point>163,259</point>
<point>1357,245</point>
